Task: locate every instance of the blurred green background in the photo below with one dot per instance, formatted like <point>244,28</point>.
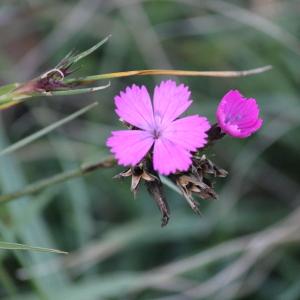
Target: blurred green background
<point>245,246</point>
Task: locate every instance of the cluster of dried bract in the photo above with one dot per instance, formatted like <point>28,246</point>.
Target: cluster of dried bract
<point>198,180</point>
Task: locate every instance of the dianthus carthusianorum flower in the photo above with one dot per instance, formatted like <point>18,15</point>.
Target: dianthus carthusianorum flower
<point>156,127</point>
<point>237,115</point>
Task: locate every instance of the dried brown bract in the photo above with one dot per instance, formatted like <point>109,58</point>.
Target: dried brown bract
<point>204,166</point>
<point>137,173</point>
<point>155,188</point>
<point>196,181</point>
<point>144,171</point>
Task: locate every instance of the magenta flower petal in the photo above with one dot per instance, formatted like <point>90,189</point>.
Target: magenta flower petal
<point>188,132</point>
<point>169,157</point>
<point>170,101</point>
<point>173,138</point>
<point>134,106</point>
<point>130,146</point>
<point>237,115</point>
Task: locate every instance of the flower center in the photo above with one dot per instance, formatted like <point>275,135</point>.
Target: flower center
<point>231,119</point>
<point>156,134</point>
<point>157,130</point>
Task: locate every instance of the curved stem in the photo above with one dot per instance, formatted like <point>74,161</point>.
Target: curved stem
<point>58,178</point>
<point>91,79</point>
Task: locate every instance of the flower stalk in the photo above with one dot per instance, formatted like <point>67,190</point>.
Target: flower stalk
<point>40,185</point>
<point>155,72</point>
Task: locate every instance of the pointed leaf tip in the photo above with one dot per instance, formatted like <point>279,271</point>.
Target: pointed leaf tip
<point>87,52</point>
<point>16,246</point>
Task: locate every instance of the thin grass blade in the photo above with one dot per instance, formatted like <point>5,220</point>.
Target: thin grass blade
<point>78,91</point>
<point>83,54</point>
<point>153,72</point>
<point>16,246</point>
<point>46,130</point>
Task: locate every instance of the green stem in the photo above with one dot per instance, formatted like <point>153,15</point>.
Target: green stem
<point>33,137</point>
<point>45,183</point>
<point>93,78</point>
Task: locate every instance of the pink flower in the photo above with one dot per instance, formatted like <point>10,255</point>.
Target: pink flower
<point>157,126</point>
<point>237,115</point>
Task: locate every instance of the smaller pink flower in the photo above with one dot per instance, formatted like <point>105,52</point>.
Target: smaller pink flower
<point>237,115</point>
<point>157,127</point>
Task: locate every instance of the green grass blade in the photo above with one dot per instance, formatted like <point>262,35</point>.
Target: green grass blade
<point>156,72</point>
<point>58,178</point>
<point>166,181</point>
<point>46,130</point>
<point>78,91</point>
<point>7,88</point>
<point>89,51</point>
<point>16,246</point>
